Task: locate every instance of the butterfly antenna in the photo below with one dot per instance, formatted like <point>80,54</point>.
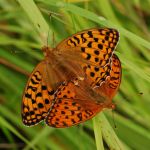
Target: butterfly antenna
<point>50,17</point>
<point>54,41</point>
<point>48,37</point>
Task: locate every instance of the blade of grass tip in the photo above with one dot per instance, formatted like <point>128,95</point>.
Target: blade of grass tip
<point>108,133</point>
<point>7,125</point>
<point>98,134</point>
<point>36,18</point>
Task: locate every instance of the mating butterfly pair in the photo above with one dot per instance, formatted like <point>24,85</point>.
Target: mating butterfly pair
<point>75,81</point>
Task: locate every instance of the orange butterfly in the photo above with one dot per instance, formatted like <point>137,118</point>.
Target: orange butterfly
<point>81,63</point>
<point>77,103</point>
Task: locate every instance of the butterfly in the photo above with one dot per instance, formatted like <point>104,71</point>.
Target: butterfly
<point>75,104</point>
<point>82,62</point>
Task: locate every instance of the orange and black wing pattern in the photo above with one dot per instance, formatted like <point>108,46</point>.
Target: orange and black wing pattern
<point>75,81</point>
<point>93,49</point>
<point>37,97</point>
<point>112,83</point>
<point>74,104</point>
<point>77,103</point>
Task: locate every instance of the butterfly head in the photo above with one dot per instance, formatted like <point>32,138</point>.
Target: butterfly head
<point>47,51</point>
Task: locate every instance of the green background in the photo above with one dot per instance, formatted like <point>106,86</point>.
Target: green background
<point>24,28</point>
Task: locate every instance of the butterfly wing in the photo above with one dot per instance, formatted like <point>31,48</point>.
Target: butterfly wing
<point>112,83</point>
<point>37,97</point>
<point>92,49</point>
<point>74,103</point>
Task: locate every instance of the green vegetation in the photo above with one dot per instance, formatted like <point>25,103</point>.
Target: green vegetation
<point>25,26</point>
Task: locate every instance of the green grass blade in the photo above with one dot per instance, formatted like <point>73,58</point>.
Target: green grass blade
<point>98,133</point>
<point>36,18</point>
<point>7,125</point>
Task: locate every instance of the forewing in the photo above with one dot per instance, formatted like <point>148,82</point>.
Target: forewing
<point>92,49</point>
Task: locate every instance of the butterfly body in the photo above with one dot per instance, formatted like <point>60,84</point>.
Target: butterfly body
<point>74,81</point>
